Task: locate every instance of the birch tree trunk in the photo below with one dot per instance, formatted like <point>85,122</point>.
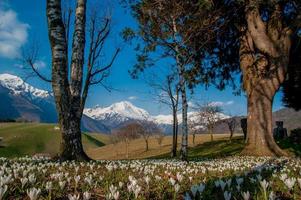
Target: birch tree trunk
<point>67,98</point>
<point>264,56</point>
<point>174,134</point>
<point>184,144</point>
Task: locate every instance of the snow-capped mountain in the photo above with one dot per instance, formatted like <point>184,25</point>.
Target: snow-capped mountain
<point>122,111</point>
<point>192,116</point>
<point>20,100</point>
<point>18,87</point>
<point>117,114</point>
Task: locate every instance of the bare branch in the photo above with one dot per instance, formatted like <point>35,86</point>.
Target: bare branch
<point>29,58</point>
<point>108,66</point>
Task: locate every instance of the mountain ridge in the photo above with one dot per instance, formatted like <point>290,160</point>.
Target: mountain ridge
<point>21,100</point>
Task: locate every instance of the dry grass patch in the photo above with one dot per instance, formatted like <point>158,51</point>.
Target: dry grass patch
<point>137,147</point>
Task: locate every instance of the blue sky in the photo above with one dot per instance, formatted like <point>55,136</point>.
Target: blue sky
<point>24,21</point>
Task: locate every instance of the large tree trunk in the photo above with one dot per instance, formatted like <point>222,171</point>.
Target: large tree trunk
<point>67,98</point>
<point>264,55</point>
<point>260,141</point>
<point>71,144</point>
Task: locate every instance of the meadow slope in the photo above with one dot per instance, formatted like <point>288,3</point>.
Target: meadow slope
<point>20,139</point>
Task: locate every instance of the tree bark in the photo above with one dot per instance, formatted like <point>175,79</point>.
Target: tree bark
<point>127,148</point>
<point>260,141</point>
<point>146,145</point>
<point>211,133</point>
<point>184,145</point>
<point>264,55</point>
<point>71,145</point>
<point>231,135</point>
<point>68,110</point>
<point>193,139</point>
<point>174,135</point>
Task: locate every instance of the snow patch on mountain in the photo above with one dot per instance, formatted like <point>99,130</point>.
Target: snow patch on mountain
<point>18,87</point>
<point>121,111</point>
<point>163,119</point>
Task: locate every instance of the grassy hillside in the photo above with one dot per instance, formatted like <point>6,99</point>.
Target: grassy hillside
<point>20,139</point>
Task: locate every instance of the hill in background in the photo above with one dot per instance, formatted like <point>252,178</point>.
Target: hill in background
<point>20,139</point>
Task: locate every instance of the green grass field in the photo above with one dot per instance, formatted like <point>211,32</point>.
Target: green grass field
<point>20,139</point>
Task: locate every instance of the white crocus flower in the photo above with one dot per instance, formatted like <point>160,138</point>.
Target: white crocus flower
<point>32,179</point>
<point>177,188</point>
<point>172,181</point>
<point>23,181</point>
<point>73,197</point>
<point>227,195</point>
<point>179,177</point>
<point>239,181</point>
<point>222,184</point>
<point>116,195</point>
<point>147,180</point>
<point>290,182</point>
<point>264,184</point>
<point>76,179</point>
<point>48,186</point>
<point>187,196</point>
<point>283,177</point>
<point>33,193</point>
<point>246,195</point>
<point>194,190</point>
<point>62,184</point>
<point>87,195</point>
<point>201,188</point>
<point>3,190</point>
<point>272,196</point>
<point>137,190</point>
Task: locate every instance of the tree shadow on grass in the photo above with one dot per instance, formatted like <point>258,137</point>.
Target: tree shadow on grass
<point>224,148</point>
<point>286,144</point>
<point>215,149</point>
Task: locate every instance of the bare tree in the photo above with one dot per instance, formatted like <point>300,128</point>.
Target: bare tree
<point>159,137</point>
<point>148,129</point>
<point>70,87</point>
<point>208,114</point>
<point>163,33</point>
<point>127,133</point>
<point>167,92</point>
<point>115,139</point>
<point>194,127</point>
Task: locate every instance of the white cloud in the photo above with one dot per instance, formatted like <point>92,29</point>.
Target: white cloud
<point>229,103</point>
<point>19,65</point>
<point>220,103</point>
<point>13,33</point>
<point>39,64</point>
<point>191,104</point>
<point>133,98</point>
